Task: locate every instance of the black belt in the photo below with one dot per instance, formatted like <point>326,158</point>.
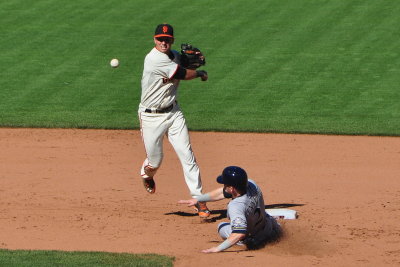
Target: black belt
<point>164,110</point>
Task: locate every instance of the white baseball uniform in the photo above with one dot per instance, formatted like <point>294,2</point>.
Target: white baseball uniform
<point>160,115</point>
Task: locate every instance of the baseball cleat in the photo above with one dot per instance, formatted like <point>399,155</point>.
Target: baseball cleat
<point>202,209</point>
<point>149,185</point>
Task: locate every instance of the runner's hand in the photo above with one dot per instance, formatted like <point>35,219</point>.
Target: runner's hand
<point>189,202</point>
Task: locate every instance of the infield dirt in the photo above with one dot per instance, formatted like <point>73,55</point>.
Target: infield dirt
<point>81,190</point>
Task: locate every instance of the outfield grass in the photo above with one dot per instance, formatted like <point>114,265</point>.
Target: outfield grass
<point>299,66</point>
<point>43,258</point>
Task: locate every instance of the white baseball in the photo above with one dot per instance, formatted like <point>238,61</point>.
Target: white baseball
<point>114,63</point>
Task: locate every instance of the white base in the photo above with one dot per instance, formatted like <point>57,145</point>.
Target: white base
<point>286,214</point>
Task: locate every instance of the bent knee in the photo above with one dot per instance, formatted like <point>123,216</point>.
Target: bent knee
<point>224,230</point>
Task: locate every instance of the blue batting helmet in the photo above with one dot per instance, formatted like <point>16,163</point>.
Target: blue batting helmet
<point>234,176</point>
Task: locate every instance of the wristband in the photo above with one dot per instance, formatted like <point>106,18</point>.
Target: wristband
<point>204,198</point>
<point>224,245</point>
<point>199,73</point>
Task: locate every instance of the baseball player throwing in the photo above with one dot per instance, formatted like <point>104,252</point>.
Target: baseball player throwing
<point>249,223</point>
<point>160,114</point>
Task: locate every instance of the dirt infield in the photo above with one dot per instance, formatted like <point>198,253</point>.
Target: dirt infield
<point>80,190</point>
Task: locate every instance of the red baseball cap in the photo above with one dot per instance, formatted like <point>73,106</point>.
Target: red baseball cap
<point>164,30</point>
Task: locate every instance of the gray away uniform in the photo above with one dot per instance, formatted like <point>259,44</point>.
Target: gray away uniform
<point>247,215</point>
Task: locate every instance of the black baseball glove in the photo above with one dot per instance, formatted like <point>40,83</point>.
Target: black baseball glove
<point>191,57</point>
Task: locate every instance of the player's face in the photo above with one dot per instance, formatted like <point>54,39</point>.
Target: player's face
<point>163,44</point>
<point>227,191</point>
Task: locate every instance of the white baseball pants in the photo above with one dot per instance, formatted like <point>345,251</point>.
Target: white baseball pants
<point>153,127</point>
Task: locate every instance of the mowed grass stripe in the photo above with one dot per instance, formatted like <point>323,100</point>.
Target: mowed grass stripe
<point>315,94</point>
<point>275,66</point>
<point>48,258</point>
<point>267,94</point>
<point>70,54</point>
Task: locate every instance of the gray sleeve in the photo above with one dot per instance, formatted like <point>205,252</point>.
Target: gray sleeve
<point>236,212</point>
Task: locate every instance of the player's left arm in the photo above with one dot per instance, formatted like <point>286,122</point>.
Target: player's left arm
<point>230,241</point>
<point>188,74</point>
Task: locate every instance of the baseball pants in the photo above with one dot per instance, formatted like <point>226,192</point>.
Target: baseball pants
<point>271,232</point>
<point>154,126</point>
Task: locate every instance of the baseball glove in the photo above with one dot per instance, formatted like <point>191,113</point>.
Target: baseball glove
<point>191,57</point>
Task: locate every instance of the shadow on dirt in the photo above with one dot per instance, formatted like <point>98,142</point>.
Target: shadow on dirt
<point>216,214</point>
<point>221,214</point>
<point>282,206</point>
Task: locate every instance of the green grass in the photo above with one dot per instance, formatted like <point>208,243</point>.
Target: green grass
<point>25,258</point>
<point>298,66</point>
